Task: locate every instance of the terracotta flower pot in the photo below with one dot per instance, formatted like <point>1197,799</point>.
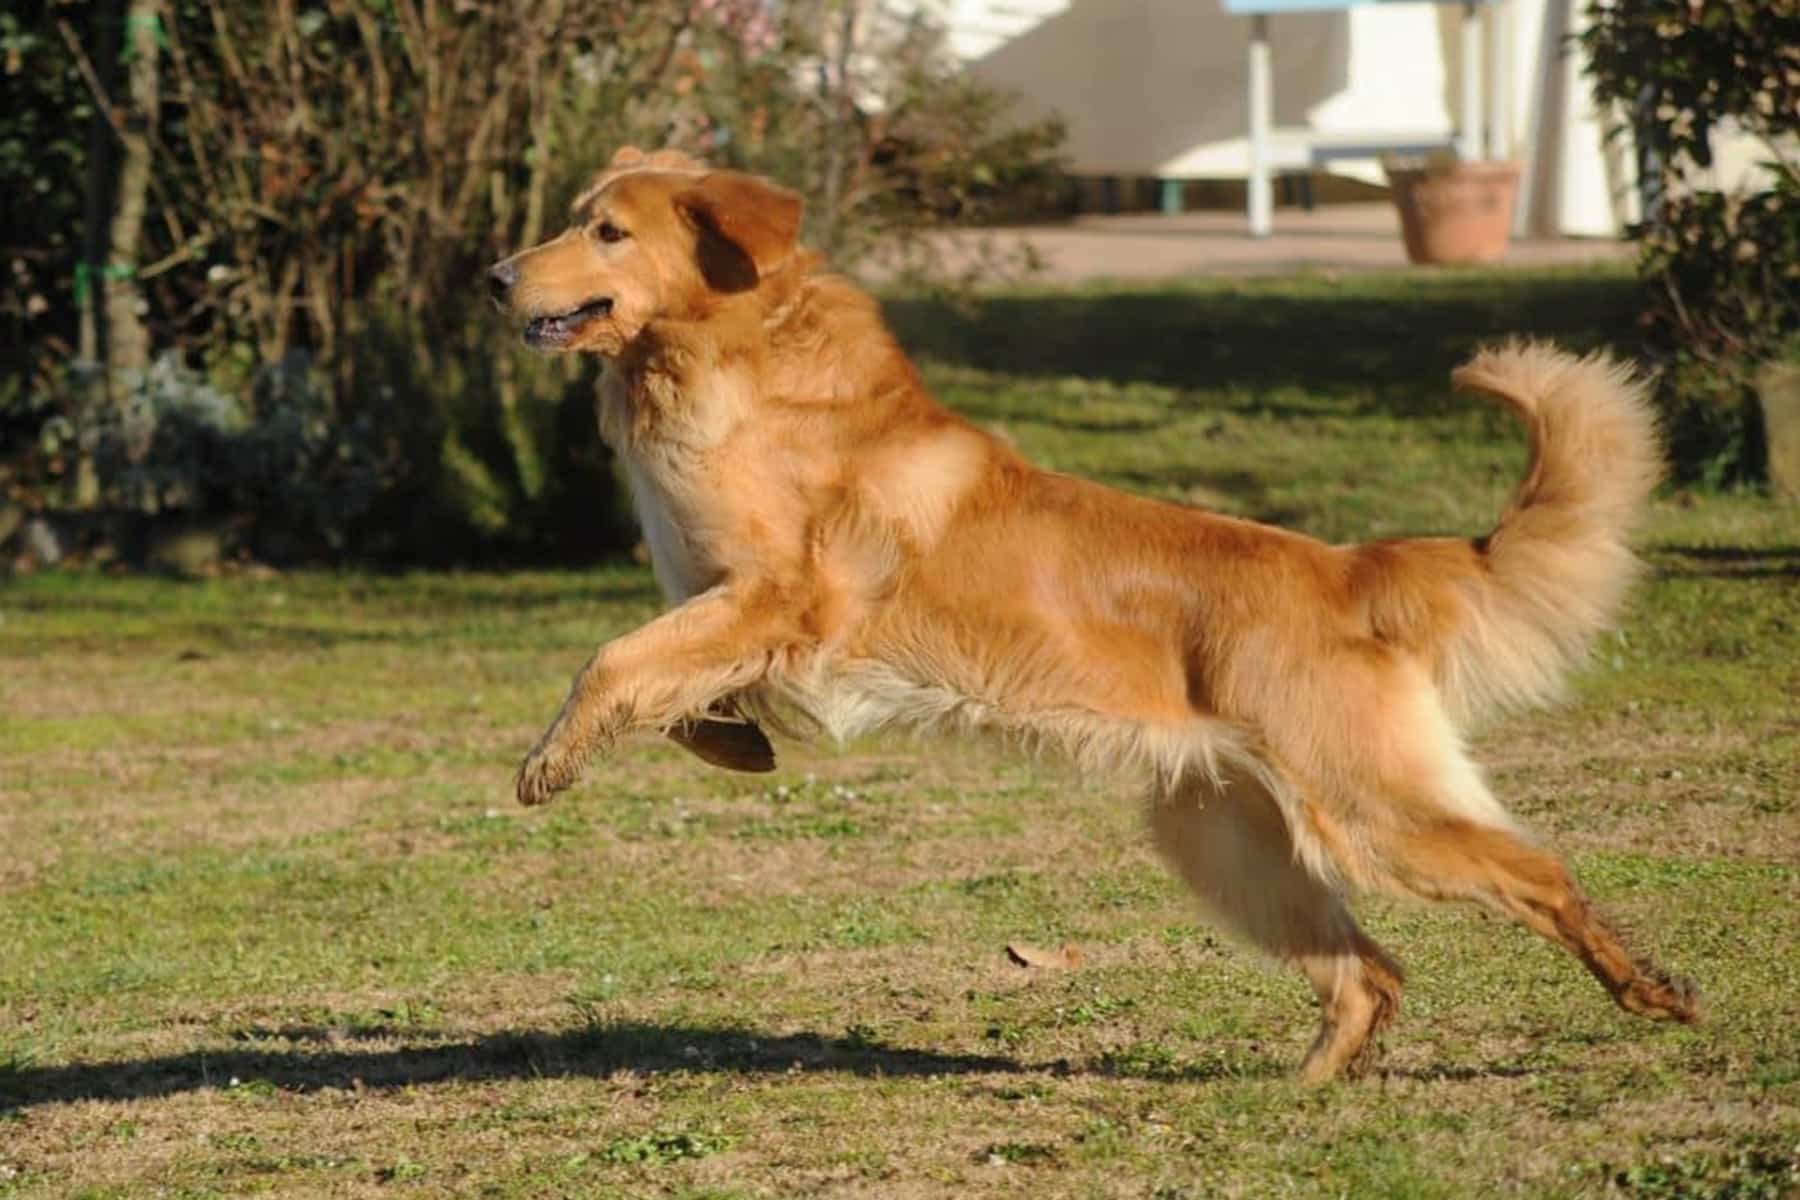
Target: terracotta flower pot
<point>1455,212</point>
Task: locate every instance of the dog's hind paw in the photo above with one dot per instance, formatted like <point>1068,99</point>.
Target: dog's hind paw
<point>1662,997</point>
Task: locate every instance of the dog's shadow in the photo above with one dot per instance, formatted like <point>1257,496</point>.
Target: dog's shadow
<point>327,1058</point>
<point>269,1059</point>
<point>1732,562</point>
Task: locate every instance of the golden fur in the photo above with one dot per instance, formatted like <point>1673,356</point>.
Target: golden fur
<point>844,554</point>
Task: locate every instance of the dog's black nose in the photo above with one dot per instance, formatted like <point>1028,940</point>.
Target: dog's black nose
<point>501,277</point>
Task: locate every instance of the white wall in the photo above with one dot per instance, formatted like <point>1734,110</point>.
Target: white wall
<point>978,27</point>
<point>1157,88</point>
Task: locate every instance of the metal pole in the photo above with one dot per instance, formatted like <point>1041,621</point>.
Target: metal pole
<point>1468,135</point>
<point>1261,197</point>
<point>1500,68</point>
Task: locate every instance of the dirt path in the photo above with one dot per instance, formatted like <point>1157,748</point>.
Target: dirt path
<point>1346,237</point>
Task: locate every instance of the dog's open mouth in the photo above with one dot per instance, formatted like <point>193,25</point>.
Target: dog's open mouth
<point>555,331</point>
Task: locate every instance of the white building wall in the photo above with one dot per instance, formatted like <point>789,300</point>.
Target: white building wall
<point>978,27</point>
<point>1157,88</point>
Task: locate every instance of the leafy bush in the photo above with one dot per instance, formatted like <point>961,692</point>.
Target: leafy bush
<point>44,111</point>
<point>891,143</point>
<point>179,444</point>
<point>329,179</point>
<point>1721,271</point>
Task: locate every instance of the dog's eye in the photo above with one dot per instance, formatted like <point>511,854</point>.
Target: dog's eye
<point>609,233</point>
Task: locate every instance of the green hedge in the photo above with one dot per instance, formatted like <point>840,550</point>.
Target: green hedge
<point>325,183</point>
<point>1720,271</point>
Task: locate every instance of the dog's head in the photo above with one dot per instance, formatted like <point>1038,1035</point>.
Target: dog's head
<point>654,236</point>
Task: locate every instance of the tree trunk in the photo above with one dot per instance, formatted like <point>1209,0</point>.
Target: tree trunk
<point>128,344</point>
<point>838,99</point>
<point>102,151</point>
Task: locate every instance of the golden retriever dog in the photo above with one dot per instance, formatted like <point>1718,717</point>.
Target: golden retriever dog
<point>843,554</point>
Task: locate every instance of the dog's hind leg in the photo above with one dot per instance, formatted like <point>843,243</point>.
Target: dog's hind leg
<point>1458,859</point>
<point>1233,847</point>
<point>1405,810</point>
<point>1414,816</point>
<point>1392,793</point>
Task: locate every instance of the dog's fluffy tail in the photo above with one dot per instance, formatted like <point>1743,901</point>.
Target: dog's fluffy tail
<point>1503,618</point>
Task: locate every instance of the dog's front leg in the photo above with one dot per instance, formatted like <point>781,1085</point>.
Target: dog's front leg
<point>666,672</point>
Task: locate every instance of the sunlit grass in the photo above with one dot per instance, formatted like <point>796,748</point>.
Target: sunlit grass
<point>269,921</point>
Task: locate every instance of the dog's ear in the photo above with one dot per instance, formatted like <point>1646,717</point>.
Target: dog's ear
<point>748,227</point>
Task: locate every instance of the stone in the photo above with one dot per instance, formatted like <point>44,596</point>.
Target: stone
<point>42,542</point>
<point>190,549</point>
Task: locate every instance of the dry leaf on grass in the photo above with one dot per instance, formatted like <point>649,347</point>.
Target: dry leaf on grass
<point>1067,958</point>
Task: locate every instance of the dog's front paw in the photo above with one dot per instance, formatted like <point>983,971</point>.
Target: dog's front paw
<point>736,745</point>
<point>541,776</point>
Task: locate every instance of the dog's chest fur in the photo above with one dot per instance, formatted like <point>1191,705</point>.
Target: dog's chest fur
<point>662,437</point>
<point>682,568</point>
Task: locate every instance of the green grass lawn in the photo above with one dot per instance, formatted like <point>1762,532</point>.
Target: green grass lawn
<point>269,921</point>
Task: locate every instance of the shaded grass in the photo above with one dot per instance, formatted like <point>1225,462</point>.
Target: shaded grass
<point>1314,401</point>
<point>269,923</point>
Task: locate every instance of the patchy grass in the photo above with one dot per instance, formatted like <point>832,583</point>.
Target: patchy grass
<point>269,922</point>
